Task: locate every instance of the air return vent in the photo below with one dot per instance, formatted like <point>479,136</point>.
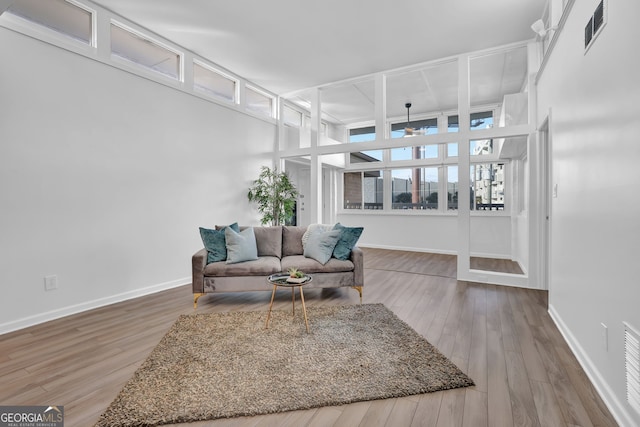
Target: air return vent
<point>595,24</point>
<point>632,366</point>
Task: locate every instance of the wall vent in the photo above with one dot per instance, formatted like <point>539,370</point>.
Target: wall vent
<point>595,24</point>
<point>632,366</point>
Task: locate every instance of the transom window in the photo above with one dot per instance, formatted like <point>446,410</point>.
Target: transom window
<point>58,15</point>
<point>259,102</point>
<point>142,51</point>
<point>214,83</point>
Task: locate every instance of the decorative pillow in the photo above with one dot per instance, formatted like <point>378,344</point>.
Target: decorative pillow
<point>241,246</point>
<point>348,238</point>
<point>215,243</point>
<point>313,228</point>
<point>320,245</point>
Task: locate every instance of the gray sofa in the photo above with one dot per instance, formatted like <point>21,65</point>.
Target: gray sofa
<point>279,248</point>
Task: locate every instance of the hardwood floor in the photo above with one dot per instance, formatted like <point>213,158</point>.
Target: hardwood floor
<point>502,337</point>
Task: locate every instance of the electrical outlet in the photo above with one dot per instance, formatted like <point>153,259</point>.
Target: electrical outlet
<point>605,336</point>
<point>50,283</point>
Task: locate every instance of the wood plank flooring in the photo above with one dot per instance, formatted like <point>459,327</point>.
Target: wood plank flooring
<point>502,337</point>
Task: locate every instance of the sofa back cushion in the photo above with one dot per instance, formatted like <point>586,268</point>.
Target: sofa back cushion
<point>292,240</point>
<point>268,240</point>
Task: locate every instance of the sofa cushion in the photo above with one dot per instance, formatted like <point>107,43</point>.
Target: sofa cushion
<point>348,238</point>
<point>321,244</point>
<point>215,243</point>
<point>269,240</point>
<point>312,228</point>
<point>263,266</point>
<point>310,265</point>
<point>292,240</point>
<point>240,246</point>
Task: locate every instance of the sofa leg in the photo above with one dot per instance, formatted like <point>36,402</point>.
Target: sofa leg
<point>359,289</point>
<point>195,300</point>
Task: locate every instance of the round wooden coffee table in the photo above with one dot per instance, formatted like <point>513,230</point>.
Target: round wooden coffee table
<point>283,280</point>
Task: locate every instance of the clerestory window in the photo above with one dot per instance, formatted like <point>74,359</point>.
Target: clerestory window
<point>61,16</point>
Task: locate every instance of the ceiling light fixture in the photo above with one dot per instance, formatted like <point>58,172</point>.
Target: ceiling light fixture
<point>408,131</point>
<point>538,28</point>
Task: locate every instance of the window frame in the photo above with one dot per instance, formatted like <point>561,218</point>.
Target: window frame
<point>129,63</point>
<point>256,112</point>
<point>48,34</point>
<point>209,93</point>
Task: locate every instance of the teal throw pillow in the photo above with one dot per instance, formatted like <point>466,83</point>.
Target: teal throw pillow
<point>215,243</point>
<point>348,238</point>
<point>241,246</point>
<point>320,245</point>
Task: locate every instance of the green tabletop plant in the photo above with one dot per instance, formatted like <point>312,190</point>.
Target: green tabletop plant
<point>275,195</point>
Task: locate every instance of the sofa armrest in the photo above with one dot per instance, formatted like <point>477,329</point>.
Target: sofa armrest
<point>357,257</point>
<point>198,263</point>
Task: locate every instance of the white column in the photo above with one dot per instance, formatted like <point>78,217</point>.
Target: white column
<point>464,193</point>
<point>315,199</point>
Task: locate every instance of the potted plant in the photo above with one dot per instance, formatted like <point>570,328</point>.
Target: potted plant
<point>275,196</point>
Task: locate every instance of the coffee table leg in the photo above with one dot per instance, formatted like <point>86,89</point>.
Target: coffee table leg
<point>293,301</point>
<point>273,294</point>
<point>304,309</point>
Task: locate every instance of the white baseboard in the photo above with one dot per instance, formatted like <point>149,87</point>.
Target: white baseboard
<point>614,405</point>
<point>25,322</point>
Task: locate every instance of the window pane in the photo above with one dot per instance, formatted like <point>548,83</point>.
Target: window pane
<point>415,127</point>
<point>500,78</point>
<point>407,130</point>
<point>415,188</point>
<point>429,89</point>
<point>373,189</point>
<point>452,124</point>
<point>363,190</point>
<point>364,134</point>
<point>142,51</point>
<point>352,190</point>
<point>481,147</point>
<point>291,117</point>
<point>213,83</point>
<point>452,149</point>
<point>259,103</point>
<point>58,15</point>
<point>487,186</point>
<point>452,187</point>
<point>419,152</point>
<point>483,120</point>
<point>349,104</point>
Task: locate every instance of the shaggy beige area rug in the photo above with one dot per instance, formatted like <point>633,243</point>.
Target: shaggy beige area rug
<point>226,365</point>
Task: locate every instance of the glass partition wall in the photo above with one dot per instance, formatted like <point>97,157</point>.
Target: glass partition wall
<point>404,142</point>
<point>498,220</point>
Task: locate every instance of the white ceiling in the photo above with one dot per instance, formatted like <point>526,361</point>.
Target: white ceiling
<point>288,45</point>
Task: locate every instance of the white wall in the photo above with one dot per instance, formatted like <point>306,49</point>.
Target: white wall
<point>595,133</point>
<point>105,177</point>
<point>490,236</point>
